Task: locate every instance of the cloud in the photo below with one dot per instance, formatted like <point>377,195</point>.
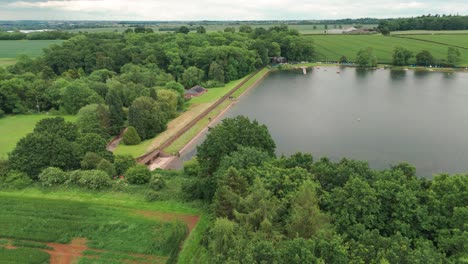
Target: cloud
<point>224,10</point>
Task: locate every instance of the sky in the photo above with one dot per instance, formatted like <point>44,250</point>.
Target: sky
<point>162,10</point>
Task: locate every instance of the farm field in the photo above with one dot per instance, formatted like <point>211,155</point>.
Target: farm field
<point>7,61</point>
<point>332,47</point>
<point>33,48</point>
<point>451,40</point>
<point>429,32</point>
<point>81,227</point>
<point>13,128</point>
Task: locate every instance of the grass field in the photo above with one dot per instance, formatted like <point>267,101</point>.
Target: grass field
<point>429,32</point>
<point>33,48</point>
<point>112,227</point>
<point>13,128</point>
<point>332,47</point>
<point>459,40</point>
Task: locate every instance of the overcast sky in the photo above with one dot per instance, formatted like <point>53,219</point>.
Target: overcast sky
<point>222,9</point>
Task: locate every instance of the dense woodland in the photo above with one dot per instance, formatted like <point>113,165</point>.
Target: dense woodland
<point>297,210</point>
<point>139,77</point>
<point>429,22</point>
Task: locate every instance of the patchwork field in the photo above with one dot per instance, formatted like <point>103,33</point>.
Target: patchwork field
<point>332,47</point>
<point>42,228</point>
<point>13,128</point>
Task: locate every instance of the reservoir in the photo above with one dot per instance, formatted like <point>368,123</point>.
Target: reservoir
<point>380,116</point>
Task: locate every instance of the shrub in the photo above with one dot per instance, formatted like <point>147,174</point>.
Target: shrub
<point>73,177</point>
<point>4,168</point>
<point>157,182</point>
<point>16,180</point>
<point>138,174</point>
<point>94,180</point>
<point>151,196</point>
<point>131,137</point>
<point>2,113</point>
<point>119,184</point>
<point>192,167</point>
<point>52,176</point>
<point>90,161</point>
<point>107,167</point>
<point>122,163</point>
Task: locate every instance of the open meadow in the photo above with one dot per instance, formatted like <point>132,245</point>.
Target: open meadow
<point>332,47</point>
<point>10,49</point>
<point>13,128</point>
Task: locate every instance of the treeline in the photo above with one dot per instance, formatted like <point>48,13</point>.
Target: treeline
<point>47,35</point>
<point>429,22</point>
<point>297,210</point>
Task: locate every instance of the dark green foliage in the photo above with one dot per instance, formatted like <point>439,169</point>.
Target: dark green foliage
<point>201,30</point>
<point>94,119</point>
<point>365,58</point>
<point>343,59</point>
<point>52,176</point>
<point>424,58</point>
<point>401,56</point>
<point>138,174</point>
<point>425,22</point>
<point>94,180</point>
<point>228,136</point>
<point>122,163</point>
<point>192,76</point>
<point>453,55</point>
<point>192,168</point>
<point>116,112</point>
<point>131,137</point>
<point>146,118</point>
<point>183,30</point>
<point>15,180</point>
<point>107,167</point>
<point>157,182</point>
<point>90,161</point>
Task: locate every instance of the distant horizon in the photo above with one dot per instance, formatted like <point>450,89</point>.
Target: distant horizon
<point>212,10</point>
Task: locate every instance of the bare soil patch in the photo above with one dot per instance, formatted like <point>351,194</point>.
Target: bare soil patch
<point>190,220</point>
<point>67,253</point>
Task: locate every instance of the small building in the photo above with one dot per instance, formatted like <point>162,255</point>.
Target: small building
<point>195,91</point>
<point>278,60</point>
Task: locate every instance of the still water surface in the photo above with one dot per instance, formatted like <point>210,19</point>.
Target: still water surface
<point>380,116</point>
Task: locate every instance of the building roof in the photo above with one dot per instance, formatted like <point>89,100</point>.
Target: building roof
<point>195,90</point>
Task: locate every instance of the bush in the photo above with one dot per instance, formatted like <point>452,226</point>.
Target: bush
<point>151,196</point>
<point>94,180</point>
<point>16,180</point>
<point>2,113</point>
<point>90,161</point>
<point>106,167</point>
<point>119,184</point>
<point>138,174</point>
<point>73,177</point>
<point>52,176</point>
<point>131,137</point>
<point>122,163</point>
<point>4,168</point>
<point>192,167</point>
<point>157,182</point>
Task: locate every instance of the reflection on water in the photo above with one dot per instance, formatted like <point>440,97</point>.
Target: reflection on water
<point>380,116</point>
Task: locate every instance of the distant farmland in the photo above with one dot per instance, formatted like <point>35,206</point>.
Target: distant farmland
<point>332,47</point>
<point>34,48</point>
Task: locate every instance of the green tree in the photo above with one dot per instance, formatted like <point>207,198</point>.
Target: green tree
<point>131,137</point>
<point>306,219</point>
<point>228,136</point>
<point>192,76</point>
<point>230,29</point>
<point>183,30</point>
<point>138,174</point>
<point>216,72</point>
<point>365,58</point>
<point>231,187</point>
<point>107,167</point>
<point>90,161</point>
<point>145,117</point>
<point>122,163</point>
<point>78,95</point>
<point>245,29</point>
<point>453,55</point>
<point>201,30</point>
<point>116,112</point>
<point>425,58</point>
<point>401,56</point>
<point>94,119</point>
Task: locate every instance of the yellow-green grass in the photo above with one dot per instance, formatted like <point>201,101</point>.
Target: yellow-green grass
<point>13,128</point>
<point>332,47</point>
<point>7,61</point>
<point>33,48</point>
<point>196,106</point>
<point>450,40</point>
<point>200,125</point>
